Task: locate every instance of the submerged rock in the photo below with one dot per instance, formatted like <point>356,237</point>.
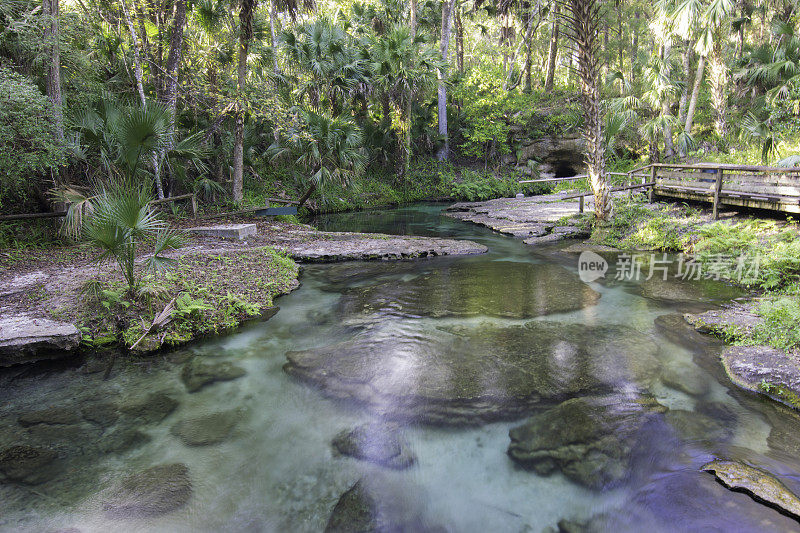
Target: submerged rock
<point>588,439</point>
<point>122,439</point>
<point>759,484</point>
<point>50,416</point>
<point>196,374</point>
<point>28,464</point>
<point>686,291</point>
<point>527,291</point>
<point>380,505</point>
<point>104,414</point>
<point>674,327</point>
<point>152,492</point>
<point>152,409</point>
<point>377,443</point>
<point>205,430</point>
<point>696,426</point>
<point>686,378</point>
<point>465,375</point>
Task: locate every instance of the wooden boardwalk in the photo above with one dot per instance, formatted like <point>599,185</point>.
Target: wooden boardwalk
<point>761,187</point>
<point>772,188</point>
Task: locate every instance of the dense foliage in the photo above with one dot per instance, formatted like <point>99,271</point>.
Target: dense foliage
<point>277,97</point>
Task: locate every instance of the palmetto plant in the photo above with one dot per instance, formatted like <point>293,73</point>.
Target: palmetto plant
<point>753,129</point>
<point>329,148</point>
<point>120,219</point>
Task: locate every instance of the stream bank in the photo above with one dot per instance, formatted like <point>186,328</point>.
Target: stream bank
<point>55,302</point>
<point>763,327</point>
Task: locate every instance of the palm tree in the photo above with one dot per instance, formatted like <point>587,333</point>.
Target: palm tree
<point>582,17</point>
<point>404,68</point>
<point>708,23</point>
<point>329,148</point>
<point>120,218</point>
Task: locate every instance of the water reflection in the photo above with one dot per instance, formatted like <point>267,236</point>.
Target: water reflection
<point>458,352</point>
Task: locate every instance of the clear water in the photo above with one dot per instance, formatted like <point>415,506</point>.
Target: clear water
<point>277,472</point>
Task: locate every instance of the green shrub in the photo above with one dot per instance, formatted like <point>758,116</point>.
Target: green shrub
<point>26,140</point>
<point>781,328</point>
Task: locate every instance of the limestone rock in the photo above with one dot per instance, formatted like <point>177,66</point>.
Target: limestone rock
<point>378,443</point>
<point>151,409</point>
<point>28,464</point>
<point>104,414</point>
<point>589,440</point>
<point>686,378</point>
<point>696,426</point>
<point>152,492</point>
<point>674,327</point>
<point>25,339</point>
<point>468,375</point>
<point>380,505</point>
<point>122,440</point>
<point>51,416</point>
<point>765,370</point>
<point>737,317</point>
<point>205,430</point>
<point>759,484</point>
<point>196,374</point>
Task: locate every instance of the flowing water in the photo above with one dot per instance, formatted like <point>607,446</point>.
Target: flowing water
<point>456,352</point>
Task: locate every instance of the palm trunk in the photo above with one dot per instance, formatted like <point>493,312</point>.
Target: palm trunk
<point>444,44</point>
<point>273,14</point>
<point>698,79</point>
<point>245,34</point>
<point>552,53</point>
<point>635,44</point>
<point>687,74</point>
<point>669,149</point>
<point>51,39</point>
<point>718,77</point>
<point>584,16</point>
<point>170,96</point>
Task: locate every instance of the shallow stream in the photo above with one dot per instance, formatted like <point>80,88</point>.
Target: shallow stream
<point>456,352</point>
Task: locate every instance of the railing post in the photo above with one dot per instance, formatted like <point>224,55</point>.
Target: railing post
<point>194,206</point>
<point>717,191</point>
<point>580,204</point>
<point>629,183</point>
<point>653,186</point>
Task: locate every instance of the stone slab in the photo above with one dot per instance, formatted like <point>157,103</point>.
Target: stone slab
<point>25,339</point>
<point>226,231</point>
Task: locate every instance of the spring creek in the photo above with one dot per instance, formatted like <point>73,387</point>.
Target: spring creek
<point>435,360</point>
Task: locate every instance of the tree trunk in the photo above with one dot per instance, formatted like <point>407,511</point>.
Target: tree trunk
<point>552,53</point>
<point>718,77</point>
<point>635,44</point>
<point>407,111</point>
<point>444,44</point>
<point>245,34</point>
<point>583,17</point>
<point>273,14</point>
<point>52,35</point>
<point>669,149</point>
<point>170,96</point>
<point>459,38</point>
<point>687,74</point>
<point>137,61</point>
<point>698,79</point>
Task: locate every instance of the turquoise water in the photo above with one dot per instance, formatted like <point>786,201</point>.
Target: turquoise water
<point>276,470</point>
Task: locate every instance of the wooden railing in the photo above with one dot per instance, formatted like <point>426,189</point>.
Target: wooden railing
<point>763,187</point>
